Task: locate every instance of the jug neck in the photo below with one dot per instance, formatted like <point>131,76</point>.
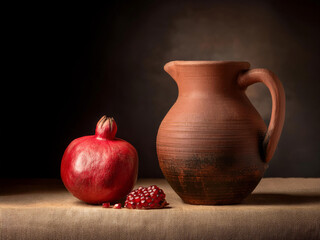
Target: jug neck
<point>205,77</point>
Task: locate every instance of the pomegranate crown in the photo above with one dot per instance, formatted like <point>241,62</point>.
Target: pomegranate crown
<point>106,128</point>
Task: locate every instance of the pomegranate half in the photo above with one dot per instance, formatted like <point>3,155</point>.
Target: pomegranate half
<point>100,168</point>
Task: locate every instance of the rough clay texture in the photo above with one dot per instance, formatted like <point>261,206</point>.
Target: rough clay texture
<point>213,146</point>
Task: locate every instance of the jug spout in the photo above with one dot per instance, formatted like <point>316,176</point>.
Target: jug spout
<point>171,69</point>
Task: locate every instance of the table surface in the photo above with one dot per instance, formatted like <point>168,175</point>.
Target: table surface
<point>279,208</point>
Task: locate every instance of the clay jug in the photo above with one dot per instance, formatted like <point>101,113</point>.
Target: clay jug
<point>213,146</point>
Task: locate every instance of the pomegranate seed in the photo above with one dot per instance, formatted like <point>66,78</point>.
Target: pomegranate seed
<point>117,206</point>
<point>132,204</point>
<point>146,198</point>
<point>130,198</point>
<point>106,205</point>
<point>152,195</point>
<point>137,199</point>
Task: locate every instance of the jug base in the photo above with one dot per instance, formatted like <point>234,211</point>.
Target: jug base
<point>213,190</point>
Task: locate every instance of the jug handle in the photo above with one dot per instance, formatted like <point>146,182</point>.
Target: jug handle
<point>275,87</point>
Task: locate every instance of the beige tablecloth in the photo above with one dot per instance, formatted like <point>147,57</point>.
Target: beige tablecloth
<point>279,208</point>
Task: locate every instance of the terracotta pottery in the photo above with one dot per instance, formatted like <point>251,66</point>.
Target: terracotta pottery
<point>213,146</point>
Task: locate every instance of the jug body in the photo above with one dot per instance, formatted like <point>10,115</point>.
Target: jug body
<point>210,143</point>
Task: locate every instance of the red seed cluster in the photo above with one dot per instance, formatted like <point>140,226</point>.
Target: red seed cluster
<point>146,198</point>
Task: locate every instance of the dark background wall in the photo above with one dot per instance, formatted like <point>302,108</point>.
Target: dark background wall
<point>66,65</point>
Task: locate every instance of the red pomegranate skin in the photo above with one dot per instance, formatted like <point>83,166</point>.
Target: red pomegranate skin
<point>100,168</point>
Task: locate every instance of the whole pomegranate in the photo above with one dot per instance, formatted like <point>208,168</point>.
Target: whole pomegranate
<point>100,168</point>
